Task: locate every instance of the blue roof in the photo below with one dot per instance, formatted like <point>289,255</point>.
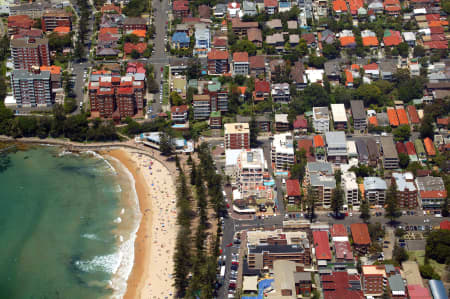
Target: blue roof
<point>437,289</point>
<point>180,37</point>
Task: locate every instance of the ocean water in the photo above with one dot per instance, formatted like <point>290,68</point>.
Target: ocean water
<point>67,225</point>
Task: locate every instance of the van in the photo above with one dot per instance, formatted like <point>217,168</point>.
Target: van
<point>283,181</point>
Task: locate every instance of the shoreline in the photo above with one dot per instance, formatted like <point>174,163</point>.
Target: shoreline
<point>151,273</point>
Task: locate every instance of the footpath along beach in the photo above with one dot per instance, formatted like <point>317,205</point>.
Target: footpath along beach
<point>151,276</point>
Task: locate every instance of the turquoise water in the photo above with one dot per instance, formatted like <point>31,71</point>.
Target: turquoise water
<point>59,226</point>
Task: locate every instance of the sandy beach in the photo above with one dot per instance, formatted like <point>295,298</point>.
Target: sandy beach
<point>151,276</point>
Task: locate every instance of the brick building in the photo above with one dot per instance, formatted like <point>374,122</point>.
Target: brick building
<point>217,62</point>
<point>237,136</point>
<point>16,23</point>
<point>134,23</point>
<point>29,51</point>
<point>406,190</point>
<point>56,18</point>
<point>361,237</point>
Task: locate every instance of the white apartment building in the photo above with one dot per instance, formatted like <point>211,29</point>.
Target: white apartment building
<point>282,151</point>
<point>321,119</point>
<point>350,187</point>
<point>249,173</point>
<point>375,190</point>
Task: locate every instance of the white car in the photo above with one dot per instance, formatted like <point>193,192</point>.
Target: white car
<point>438,215</point>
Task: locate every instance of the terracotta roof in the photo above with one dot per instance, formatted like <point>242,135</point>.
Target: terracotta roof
<point>392,38</point>
<point>437,23</point>
<point>257,61</point>
<point>371,67</point>
<point>401,148</point>
<point>180,5</point>
<point>433,194</point>
<point>410,149</point>
<point>110,30</point>
<point>262,86</point>
<point>129,47</point>
<point>370,41</point>
<point>139,33</point>
<point>215,54</point>
<point>339,5</point>
<point>270,3</point>
<point>125,90</point>
<point>62,29</point>
<point>437,30</point>
<point>347,40</point>
<point>240,57</point>
<point>360,233</point>
<point>442,121</point>
<point>293,188</point>
<point>54,69</point>
<point>220,42</point>
<point>318,141</point>
<point>413,115</point>
<point>309,38</point>
<point>111,7</point>
<point>373,121</point>
<point>429,147</point>
<point>432,17</point>
<point>301,123</point>
<point>436,44</point>
<point>204,11</point>
<point>393,118</point>
<point>236,23</point>
<point>307,145</point>
<point>348,77</point>
<point>445,224</point>
<point>254,34</point>
<point>322,245</point>
<point>338,230</point>
<point>402,117</point>
<point>179,109</point>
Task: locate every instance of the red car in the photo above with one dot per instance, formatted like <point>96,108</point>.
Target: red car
<point>162,69</point>
<point>229,245</point>
<point>228,205</point>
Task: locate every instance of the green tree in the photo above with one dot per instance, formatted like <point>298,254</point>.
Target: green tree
<point>193,68</point>
<point>165,144</point>
<point>392,210</point>
<point>403,49</point>
<point>402,133</point>
<point>311,199</point>
<point>438,246</point>
<point>330,51</point>
<point>337,199</point>
<point>419,51</point>
<point>426,127</point>
<point>135,54</point>
<point>253,132</point>
<point>444,210</point>
<point>244,46</point>
<point>365,210</point>
<point>370,94</point>
<point>403,160</point>
<point>399,254</point>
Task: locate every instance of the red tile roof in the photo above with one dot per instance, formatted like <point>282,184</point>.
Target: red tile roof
<point>240,57</point>
<point>410,149</point>
<point>257,61</point>
<point>62,30</point>
<point>413,115</point>
<point>125,90</point>
<point>307,145</point>
<point>215,54</point>
<point>301,123</point>
<point>433,17</point>
<point>293,188</point>
<point>360,233</point>
<point>394,39</point>
<point>343,250</point>
<point>433,194</point>
<point>338,285</point>
<point>355,5</point>
<point>110,30</point>
<point>111,7</point>
<point>401,148</point>
<point>21,21</point>
<point>54,69</point>
<point>370,41</point>
<point>129,47</point>
<point>347,41</point>
<point>179,109</point>
<point>442,121</point>
<point>262,86</point>
<point>373,121</point>
<point>402,117</point>
<point>339,5</point>
<point>429,147</point>
<point>318,141</point>
<point>436,44</point>
<point>270,3</point>
<point>416,291</point>
<point>321,245</point>
<point>371,67</point>
<point>180,5</point>
<point>393,118</point>
<point>445,224</point>
<point>338,230</point>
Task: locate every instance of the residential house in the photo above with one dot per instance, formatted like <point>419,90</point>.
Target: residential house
<point>392,7</point>
<point>294,39</point>
<point>321,119</point>
<point>134,23</point>
<point>307,146</point>
<point>254,35</point>
<point>281,122</point>
<point>361,237</point>
<point>319,147</point>
<point>262,90</point>
<point>202,40</point>
<point>341,285</point>
<point>204,11</point>
<point>369,38</point>
<point>257,65</point>
<point>220,10</point>
<point>290,279</point>
<point>347,39</point>
<point>375,190</point>
<point>274,24</point>
<point>240,28</point>
<point>339,116</point>
<point>432,193</point>
<point>322,246</point>
<point>310,39</point>
<point>363,152</point>
<point>249,8</point>
<point>179,114</point>
<point>281,93</point>
<point>276,40</point>
<point>390,155</point>
<point>237,136</point>
<point>271,6</point>
<point>387,69</point>
<point>234,9</point>
<point>391,38</point>
<point>336,147</point>
<point>300,125</point>
<point>298,76</point>
<point>180,40</point>
<point>372,71</point>
<point>293,192</point>
<point>326,37</point>
<point>240,63</point>
<point>358,115</point>
<point>217,62</point>
<point>202,106</point>
<point>180,8</point>
<point>282,153</point>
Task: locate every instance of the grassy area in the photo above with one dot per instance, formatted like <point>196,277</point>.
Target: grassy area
<point>166,72</point>
<point>293,208</point>
<point>419,256</point>
<point>166,93</point>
